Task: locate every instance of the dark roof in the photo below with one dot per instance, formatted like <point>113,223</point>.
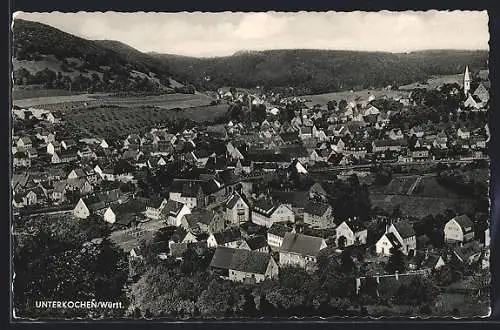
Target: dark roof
<point>295,151</point>
<point>464,222</point>
<point>394,241</point>
<point>467,250</point>
<point>227,236</point>
<point>257,242</point>
<point>404,229</point>
<point>155,202</point>
<point>388,143</point>
<point>240,260</point>
<point>172,208</point>
<point>269,157</point>
<point>289,136</point>
<point>216,163</point>
<point>279,229</point>
<point>200,216</point>
<point>356,225</point>
<point>233,200</point>
<point>295,198</point>
<point>316,208</point>
<point>301,244</point>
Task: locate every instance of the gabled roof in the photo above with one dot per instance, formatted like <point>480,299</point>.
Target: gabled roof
<point>227,236</point>
<point>155,202</point>
<point>279,229</point>
<point>200,216</point>
<point>231,202</point>
<point>393,240</point>
<point>355,225</point>
<point>302,244</point>
<point>295,198</point>
<point>172,208</point>
<point>468,250</point>
<point>404,229</point>
<point>464,222</point>
<point>257,242</point>
<point>240,260</point>
<point>316,208</point>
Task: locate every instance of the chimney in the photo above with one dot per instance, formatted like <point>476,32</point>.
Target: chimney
<point>397,275</point>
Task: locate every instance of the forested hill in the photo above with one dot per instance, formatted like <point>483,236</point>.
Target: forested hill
<point>47,56</point>
<point>320,71</point>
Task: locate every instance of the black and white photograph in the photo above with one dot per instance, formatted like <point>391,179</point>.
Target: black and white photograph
<point>250,165</point>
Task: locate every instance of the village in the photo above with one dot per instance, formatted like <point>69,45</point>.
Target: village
<point>275,189</point>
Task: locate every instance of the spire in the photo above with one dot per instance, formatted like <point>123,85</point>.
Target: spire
<point>466,81</point>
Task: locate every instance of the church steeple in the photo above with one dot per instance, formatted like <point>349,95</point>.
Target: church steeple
<point>466,81</point>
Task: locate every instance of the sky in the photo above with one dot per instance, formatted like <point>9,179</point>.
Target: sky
<point>221,34</point>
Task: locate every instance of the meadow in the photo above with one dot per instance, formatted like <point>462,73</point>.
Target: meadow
<point>121,121</point>
<point>364,94</point>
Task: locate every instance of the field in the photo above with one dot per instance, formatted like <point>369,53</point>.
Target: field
<point>53,100</point>
<point>401,185</point>
<point>420,207</point>
<point>165,101</point>
<point>31,93</point>
<point>323,99</point>
<point>436,81</point>
<point>126,120</point>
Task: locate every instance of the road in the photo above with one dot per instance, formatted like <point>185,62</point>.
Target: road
<point>369,166</point>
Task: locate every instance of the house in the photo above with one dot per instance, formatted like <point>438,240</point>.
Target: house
<point>459,230</point>
<point>82,185</point>
<point>300,250</point>
<point>189,192</point>
<point>482,93</point>
<point>237,210</point>
<point>419,153</point>
<point>468,253</point>
<point>154,207</point>
<point>318,215</point>
<point>174,211</point>
<point>59,191</point>
<point>243,266</point>
<point>384,145</point>
<point>386,243</point>
<point>276,234</point>
<point>124,214</point>
<point>396,134</point>
<point>53,147</point>
<point>257,243</point>
<point>265,213</point>
<point>350,232</point>
<point>463,133</point>
<point>405,235</point>
<point>68,144</point>
<point>24,142</point>
<point>202,221</point>
<point>96,203</point>
<point>472,102</point>
<point>21,159</point>
<point>229,238</point>
<point>64,156</point>
<point>305,132</point>
<point>76,173</point>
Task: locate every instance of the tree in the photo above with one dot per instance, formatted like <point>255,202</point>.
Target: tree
<point>396,262</point>
<point>419,291</point>
<point>346,263</point>
<point>331,105</point>
<point>342,105</point>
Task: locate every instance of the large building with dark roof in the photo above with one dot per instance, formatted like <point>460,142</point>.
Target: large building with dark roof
<point>243,265</point>
<point>300,250</point>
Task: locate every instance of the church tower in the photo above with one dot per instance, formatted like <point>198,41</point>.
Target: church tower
<point>466,81</point>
